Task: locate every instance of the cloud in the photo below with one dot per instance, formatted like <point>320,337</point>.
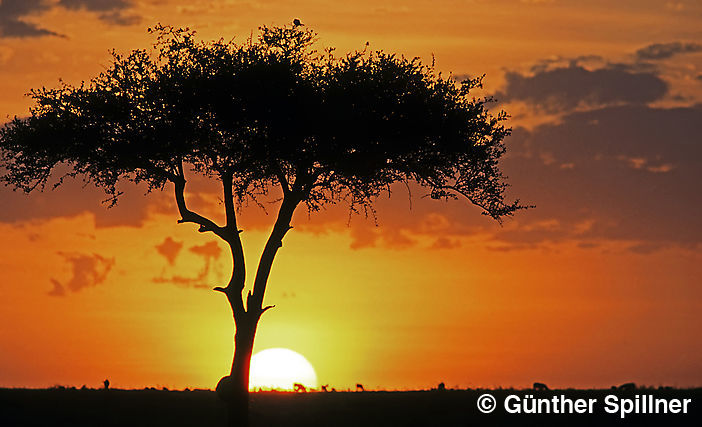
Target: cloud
<point>634,176</point>
<point>57,289</point>
<point>12,13</point>
<point>86,271</point>
<point>95,5</point>
<point>445,243</point>
<point>110,11</point>
<point>567,88</point>
<point>119,18</point>
<point>210,252</point>
<point>74,197</point>
<point>169,249</point>
<point>659,51</point>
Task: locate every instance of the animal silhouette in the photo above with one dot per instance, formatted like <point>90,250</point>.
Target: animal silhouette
<point>297,23</point>
<point>540,386</point>
<point>441,387</point>
<point>359,387</point>
<point>299,388</point>
<point>106,383</point>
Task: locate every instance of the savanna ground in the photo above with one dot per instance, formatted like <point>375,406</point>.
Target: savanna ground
<point>74,407</point>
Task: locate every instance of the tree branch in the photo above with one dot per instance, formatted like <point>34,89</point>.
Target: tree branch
<point>254,301</point>
<point>206,225</point>
<point>237,281</point>
<point>281,177</point>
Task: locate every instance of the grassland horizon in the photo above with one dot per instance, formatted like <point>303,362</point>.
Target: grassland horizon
<point>146,407</point>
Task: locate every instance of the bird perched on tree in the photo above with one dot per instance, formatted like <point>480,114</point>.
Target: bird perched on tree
<point>297,23</point>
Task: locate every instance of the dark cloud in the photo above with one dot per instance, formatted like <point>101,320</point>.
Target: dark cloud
<point>95,5</point>
<point>549,63</point>
<point>658,51</point>
<point>12,13</point>
<point>170,249</point>
<point>569,87</point>
<point>74,198</point>
<point>86,271</point>
<point>110,11</point>
<point>618,170</point>
<point>628,173</point>
<point>119,18</point>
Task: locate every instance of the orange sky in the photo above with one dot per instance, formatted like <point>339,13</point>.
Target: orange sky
<point>600,284</point>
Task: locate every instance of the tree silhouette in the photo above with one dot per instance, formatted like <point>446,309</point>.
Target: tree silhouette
<point>268,114</point>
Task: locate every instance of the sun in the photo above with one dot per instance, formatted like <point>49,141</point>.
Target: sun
<point>279,369</point>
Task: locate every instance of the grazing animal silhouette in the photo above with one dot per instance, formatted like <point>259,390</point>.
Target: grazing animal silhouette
<point>299,388</point>
<point>627,387</point>
<point>359,387</point>
<point>324,388</point>
<point>106,383</point>
<point>540,386</point>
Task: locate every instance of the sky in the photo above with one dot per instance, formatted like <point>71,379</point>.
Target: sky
<point>599,284</point>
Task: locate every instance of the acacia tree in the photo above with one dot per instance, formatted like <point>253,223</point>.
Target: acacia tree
<point>268,113</point>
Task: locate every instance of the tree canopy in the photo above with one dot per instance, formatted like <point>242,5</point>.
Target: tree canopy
<point>269,111</point>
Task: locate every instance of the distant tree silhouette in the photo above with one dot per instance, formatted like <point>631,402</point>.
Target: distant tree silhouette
<point>271,114</point>
<point>627,387</point>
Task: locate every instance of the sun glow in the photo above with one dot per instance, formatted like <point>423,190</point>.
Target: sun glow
<point>280,369</point>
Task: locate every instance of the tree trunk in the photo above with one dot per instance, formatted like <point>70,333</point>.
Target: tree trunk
<point>234,389</point>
